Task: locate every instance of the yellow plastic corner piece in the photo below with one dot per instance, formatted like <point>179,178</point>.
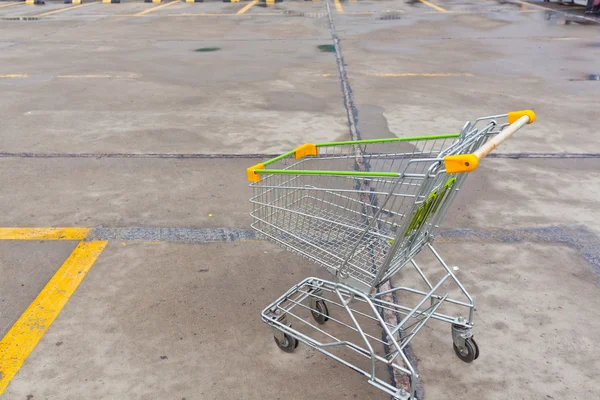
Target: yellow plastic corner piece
<point>308,149</point>
<point>515,115</point>
<point>251,172</point>
<point>461,163</point>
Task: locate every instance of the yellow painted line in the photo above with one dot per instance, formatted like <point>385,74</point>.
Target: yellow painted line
<point>438,8</point>
<point>338,7</point>
<point>66,9</point>
<point>25,334</point>
<point>424,74</point>
<point>533,5</point>
<point>43,233</point>
<point>128,76</point>
<point>13,76</point>
<point>156,8</point>
<point>8,5</point>
<point>247,7</point>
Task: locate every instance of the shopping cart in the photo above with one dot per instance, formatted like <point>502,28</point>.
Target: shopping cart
<point>364,210</point>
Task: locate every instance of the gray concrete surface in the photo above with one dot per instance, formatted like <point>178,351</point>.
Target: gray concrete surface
<point>25,268</point>
<point>196,305</point>
<point>182,193</point>
<point>135,85</point>
<point>535,325</point>
<point>128,192</point>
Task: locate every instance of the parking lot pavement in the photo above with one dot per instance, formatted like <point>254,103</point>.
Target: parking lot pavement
<point>132,125</point>
<point>207,193</point>
<point>181,321</point>
<point>25,268</point>
<point>533,314</point>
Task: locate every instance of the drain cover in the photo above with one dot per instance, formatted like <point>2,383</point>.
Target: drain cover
<point>207,49</point>
<point>305,14</point>
<point>19,18</point>
<point>389,16</point>
<point>326,48</point>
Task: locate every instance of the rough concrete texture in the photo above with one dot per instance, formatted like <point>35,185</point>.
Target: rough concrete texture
<point>126,192</point>
<point>527,193</point>
<point>182,193</point>
<point>181,320</point>
<point>535,325</point>
<point>251,96</point>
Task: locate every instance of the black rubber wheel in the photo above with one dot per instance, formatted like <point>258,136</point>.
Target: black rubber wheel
<point>470,353</point>
<point>289,343</point>
<point>321,315</point>
<point>476,348</point>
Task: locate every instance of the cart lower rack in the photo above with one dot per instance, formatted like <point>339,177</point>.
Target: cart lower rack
<point>364,210</point>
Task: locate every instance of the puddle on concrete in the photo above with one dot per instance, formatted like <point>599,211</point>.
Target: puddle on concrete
<point>590,77</point>
<point>207,49</point>
<point>511,3</point>
<point>326,48</point>
<point>566,19</point>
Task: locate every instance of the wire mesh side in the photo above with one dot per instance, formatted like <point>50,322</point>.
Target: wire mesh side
<point>362,228</point>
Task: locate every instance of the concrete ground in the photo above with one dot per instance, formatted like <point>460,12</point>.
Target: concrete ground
<point>110,117</point>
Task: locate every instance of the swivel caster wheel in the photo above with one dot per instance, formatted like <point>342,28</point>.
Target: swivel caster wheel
<point>469,353</point>
<point>289,343</point>
<point>320,312</point>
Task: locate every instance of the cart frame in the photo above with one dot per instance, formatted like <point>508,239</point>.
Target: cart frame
<point>365,241</point>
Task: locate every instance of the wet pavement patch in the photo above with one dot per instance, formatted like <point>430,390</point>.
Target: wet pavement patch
<point>326,48</point>
<point>207,49</point>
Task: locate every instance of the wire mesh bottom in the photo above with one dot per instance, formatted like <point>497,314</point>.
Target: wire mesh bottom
<point>328,237</point>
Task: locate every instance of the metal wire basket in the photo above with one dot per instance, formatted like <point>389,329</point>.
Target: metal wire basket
<point>364,210</point>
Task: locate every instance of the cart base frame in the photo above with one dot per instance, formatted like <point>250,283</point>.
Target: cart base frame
<point>363,318</point>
